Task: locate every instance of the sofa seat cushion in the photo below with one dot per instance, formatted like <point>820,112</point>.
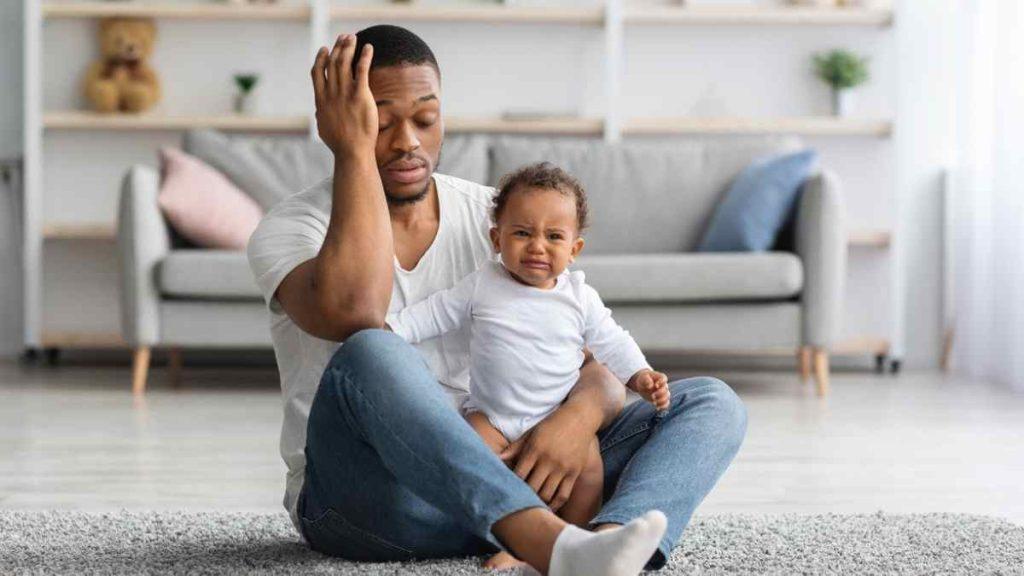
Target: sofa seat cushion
<point>207,274</point>
<point>693,277</point>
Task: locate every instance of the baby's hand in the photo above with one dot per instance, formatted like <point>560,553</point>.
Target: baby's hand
<point>652,386</point>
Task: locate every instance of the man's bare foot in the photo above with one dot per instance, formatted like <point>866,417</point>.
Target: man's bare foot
<point>503,561</point>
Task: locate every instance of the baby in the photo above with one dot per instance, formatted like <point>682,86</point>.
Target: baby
<point>530,320</point>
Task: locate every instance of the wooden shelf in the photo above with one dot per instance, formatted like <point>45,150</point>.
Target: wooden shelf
<point>566,125</point>
<point>81,120</point>
<point>101,232</point>
<point>177,10</point>
<point>749,15</point>
<point>81,340</point>
<point>861,345</point>
<point>870,239</point>
<point>810,126</point>
<point>493,14</point>
<point>93,121</point>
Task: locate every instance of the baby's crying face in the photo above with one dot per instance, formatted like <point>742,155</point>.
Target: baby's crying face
<point>537,235</point>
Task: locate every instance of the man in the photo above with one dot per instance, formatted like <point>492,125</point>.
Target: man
<point>381,466</point>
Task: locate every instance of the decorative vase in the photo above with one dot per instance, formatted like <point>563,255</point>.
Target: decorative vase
<point>243,102</point>
<point>840,102</point>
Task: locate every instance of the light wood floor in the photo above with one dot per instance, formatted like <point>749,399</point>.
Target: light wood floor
<point>73,438</point>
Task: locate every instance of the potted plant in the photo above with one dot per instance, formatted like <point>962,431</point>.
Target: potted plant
<point>841,70</point>
<point>245,84</point>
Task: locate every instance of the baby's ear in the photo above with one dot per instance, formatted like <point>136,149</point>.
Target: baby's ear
<point>577,247</point>
<point>495,239</point>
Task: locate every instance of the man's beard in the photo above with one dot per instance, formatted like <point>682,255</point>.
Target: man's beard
<point>399,201</point>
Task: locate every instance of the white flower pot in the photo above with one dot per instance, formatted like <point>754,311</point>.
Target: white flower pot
<point>243,103</point>
<point>841,102</point>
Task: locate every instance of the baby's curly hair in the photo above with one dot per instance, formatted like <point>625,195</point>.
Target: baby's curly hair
<point>546,176</point>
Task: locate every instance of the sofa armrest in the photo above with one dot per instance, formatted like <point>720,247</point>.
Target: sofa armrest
<point>142,242</point>
<point>821,244</point>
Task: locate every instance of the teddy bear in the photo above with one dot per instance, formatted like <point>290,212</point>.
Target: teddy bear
<point>121,80</point>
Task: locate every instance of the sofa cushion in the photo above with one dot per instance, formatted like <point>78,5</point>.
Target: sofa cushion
<point>645,197</point>
<point>693,277</point>
<point>758,204</point>
<point>206,274</point>
<point>465,156</point>
<point>266,168</point>
<point>203,205</point>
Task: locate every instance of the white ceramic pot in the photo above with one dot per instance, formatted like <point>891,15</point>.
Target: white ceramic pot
<point>841,102</point>
<point>243,102</point>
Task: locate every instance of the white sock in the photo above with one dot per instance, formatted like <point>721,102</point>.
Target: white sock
<point>622,551</point>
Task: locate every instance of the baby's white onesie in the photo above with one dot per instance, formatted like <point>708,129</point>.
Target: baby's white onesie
<point>527,343</point>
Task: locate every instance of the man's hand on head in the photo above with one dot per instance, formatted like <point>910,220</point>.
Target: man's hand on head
<point>346,114</point>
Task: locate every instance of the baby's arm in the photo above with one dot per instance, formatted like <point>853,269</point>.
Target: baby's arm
<point>437,314</point>
<point>616,349</point>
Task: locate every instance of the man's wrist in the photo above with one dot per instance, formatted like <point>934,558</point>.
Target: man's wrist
<point>355,159</point>
<point>583,415</point>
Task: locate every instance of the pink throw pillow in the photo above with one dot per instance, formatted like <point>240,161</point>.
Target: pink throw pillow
<point>203,205</point>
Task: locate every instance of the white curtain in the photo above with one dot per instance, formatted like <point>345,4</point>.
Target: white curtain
<point>986,210</point>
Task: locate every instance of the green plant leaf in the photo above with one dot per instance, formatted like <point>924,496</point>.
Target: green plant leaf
<point>245,82</point>
<point>841,69</point>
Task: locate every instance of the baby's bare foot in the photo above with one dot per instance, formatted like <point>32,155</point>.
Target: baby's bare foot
<point>504,561</point>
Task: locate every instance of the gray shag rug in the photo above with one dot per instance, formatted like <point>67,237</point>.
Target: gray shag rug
<point>236,543</point>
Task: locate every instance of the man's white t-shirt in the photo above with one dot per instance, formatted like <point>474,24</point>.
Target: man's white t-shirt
<point>292,233</point>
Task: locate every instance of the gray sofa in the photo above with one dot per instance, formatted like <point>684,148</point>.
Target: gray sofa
<point>650,202</point>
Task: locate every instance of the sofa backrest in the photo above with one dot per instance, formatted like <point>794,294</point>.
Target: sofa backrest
<point>270,168</point>
<point>267,168</point>
<point>644,196</point>
<point>651,196</point>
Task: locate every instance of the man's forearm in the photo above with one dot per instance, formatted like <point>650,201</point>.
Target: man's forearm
<point>356,262</point>
<point>597,398</point>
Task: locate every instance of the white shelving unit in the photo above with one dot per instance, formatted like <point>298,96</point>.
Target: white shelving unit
<point>316,16</point>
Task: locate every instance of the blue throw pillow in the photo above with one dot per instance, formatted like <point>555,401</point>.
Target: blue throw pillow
<point>757,204</point>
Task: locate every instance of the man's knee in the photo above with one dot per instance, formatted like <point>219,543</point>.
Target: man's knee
<point>377,357</point>
<point>370,350</point>
<point>366,346</point>
<point>719,397</point>
<point>369,362</point>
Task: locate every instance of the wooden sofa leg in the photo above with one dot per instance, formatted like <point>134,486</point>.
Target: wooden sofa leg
<point>804,357</point>
<point>140,369</point>
<point>174,365</point>
<point>821,371</point>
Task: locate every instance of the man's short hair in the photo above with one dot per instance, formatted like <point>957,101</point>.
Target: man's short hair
<point>394,46</point>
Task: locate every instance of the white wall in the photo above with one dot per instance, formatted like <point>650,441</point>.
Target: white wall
<point>10,146</point>
<point>924,139</point>
<point>669,70</point>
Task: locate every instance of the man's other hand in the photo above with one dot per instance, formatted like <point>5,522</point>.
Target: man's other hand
<point>551,456</point>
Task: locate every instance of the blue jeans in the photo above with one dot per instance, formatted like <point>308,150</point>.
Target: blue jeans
<point>393,472</point>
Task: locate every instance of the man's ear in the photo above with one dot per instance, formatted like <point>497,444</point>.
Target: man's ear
<point>577,247</point>
<point>495,239</point>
